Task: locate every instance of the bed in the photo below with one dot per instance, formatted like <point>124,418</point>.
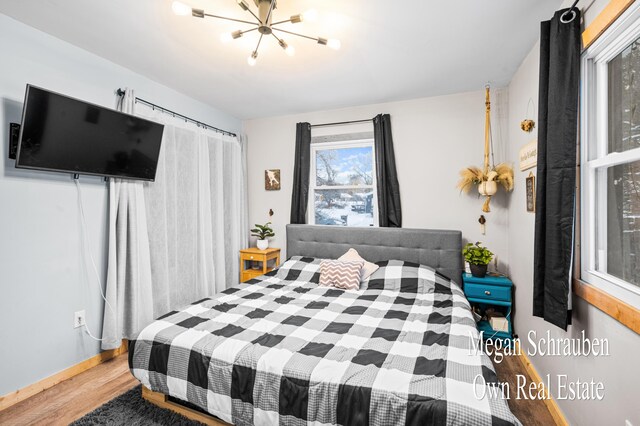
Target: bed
<point>280,349</point>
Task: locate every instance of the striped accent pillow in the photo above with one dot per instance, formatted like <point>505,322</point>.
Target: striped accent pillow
<point>341,274</point>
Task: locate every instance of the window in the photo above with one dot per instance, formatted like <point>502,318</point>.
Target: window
<point>343,184</point>
<point>610,158</point>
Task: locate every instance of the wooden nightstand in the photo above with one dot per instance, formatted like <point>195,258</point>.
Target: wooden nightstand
<point>491,291</point>
<point>265,260</point>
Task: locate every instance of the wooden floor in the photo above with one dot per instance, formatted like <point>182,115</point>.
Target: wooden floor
<point>71,399</point>
<point>529,412</point>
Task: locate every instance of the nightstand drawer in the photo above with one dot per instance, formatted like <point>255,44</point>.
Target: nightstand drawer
<point>246,256</point>
<point>249,275</point>
<point>488,292</point>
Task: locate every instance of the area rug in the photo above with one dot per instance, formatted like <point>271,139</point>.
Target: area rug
<point>130,409</point>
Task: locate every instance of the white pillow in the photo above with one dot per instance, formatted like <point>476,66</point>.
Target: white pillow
<point>341,274</point>
<point>352,256</point>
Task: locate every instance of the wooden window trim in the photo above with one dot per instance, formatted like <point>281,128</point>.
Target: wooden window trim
<point>614,307</point>
<point>610,305</point>
<point>609,14</point>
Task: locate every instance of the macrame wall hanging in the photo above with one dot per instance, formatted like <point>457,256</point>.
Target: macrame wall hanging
<point>490,175</point>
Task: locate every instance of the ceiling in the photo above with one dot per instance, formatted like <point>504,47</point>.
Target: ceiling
<point>391,50</point>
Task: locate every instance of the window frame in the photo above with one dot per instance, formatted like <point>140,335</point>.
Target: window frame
<point>324,146</point>
<point>594,144</point>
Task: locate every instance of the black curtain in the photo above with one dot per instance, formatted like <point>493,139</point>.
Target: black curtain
<point>300,194</point>
<point>389,210</point>
<point>556,174</point>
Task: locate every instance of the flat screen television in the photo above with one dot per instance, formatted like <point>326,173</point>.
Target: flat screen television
<point>63,134</point>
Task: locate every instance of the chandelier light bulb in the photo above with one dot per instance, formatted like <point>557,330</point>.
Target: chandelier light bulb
<point>180,9</point>
<point>227,37</point>
<point>310,15</point>
<point>334,43</point>
<point>287,48</point>
<point>251,60</point>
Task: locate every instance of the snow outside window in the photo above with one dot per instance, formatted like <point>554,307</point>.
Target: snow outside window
<point>343,184</point>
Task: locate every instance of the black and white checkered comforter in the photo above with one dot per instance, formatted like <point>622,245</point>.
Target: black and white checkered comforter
<point>283,350</point>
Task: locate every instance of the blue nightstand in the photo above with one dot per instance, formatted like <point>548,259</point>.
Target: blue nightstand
<point>491,291</point>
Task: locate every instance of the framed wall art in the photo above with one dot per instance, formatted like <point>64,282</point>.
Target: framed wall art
<point>272,180</point>
<point>531,193</point>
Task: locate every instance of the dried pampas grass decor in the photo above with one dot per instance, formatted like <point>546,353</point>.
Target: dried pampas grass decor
<point>505,176</point>
<point>488,177</point>
<point>469,177</point>
<point>527,125</point>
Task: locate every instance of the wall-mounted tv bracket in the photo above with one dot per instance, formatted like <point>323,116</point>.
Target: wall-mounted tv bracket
<point>14,136</point>
<point>76,176</point>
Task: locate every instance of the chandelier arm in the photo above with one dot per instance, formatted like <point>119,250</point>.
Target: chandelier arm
<point>248,31</point>
<point>259,40</point>
<point>295,34</point>
<point>281,22</point>
<point>273,2</point>
<point>230,19</point>
<point>277,38</point>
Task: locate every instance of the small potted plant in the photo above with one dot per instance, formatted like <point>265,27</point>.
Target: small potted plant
<point>478,257</point>
<point>262,232</point>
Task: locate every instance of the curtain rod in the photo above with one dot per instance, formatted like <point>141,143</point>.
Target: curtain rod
<point>120,92</point>
<point>569,10</point>
<point>339,123</point>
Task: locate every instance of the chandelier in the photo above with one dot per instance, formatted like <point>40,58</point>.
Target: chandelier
<point>263,24</point>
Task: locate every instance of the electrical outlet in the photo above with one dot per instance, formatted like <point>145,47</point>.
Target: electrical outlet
<point>78,319</point>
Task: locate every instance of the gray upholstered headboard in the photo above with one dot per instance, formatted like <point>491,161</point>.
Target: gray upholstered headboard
<point>436,248</point>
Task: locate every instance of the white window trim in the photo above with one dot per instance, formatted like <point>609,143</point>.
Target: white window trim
<point>320,146</point>
<point>594,136</point>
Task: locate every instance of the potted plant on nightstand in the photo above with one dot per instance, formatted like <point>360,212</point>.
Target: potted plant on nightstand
<point>478,257</point>
<point>262,232</point>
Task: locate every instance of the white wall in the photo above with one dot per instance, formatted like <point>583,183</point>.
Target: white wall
<point>44,278</point>
<point>619,372</point>
<point>433,138</point>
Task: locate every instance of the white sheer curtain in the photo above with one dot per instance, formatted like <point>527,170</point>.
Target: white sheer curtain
<point>196,214</point>
<point>128,290</point>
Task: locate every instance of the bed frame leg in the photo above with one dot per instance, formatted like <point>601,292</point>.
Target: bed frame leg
<point>161,400</point>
